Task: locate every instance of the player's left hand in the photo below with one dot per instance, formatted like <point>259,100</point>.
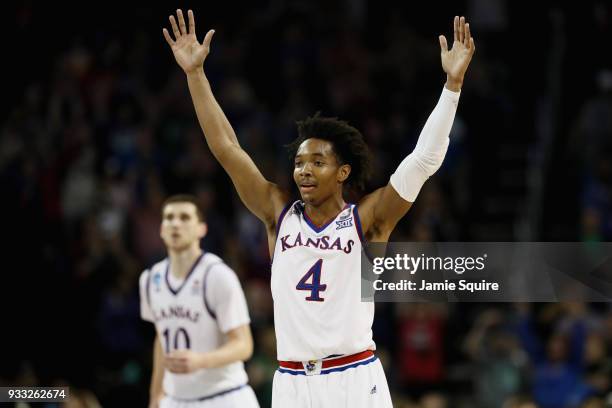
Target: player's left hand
<point>456,60</point>
<point>184,361</point>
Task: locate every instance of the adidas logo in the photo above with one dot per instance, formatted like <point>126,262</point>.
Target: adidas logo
<point>373,391</point>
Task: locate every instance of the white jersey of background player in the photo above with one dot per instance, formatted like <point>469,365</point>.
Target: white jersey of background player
<point>200,316</point>
<point>323,330</point>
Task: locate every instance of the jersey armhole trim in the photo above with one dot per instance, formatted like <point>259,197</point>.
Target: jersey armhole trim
<point>358,225</point>
<point>148,286</point>
<point>204,279</point>
<point>360,233</point>
<point>281,217</point>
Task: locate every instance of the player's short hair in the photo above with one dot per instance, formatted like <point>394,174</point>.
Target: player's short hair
<point>184,198</point>
<point>347,142</point>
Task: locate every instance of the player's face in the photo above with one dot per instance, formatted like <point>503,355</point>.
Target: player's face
<point>181,228</point>
<point>317,172</point>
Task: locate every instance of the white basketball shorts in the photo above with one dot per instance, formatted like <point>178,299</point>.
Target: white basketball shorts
<point>356,381</point>
<point>242,397</point>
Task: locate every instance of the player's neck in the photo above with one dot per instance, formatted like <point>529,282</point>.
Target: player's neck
<point>322,213</point>
<point>181,262</point>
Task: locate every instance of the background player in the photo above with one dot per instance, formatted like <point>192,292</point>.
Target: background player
<point>201,318</point>
<point>324,337</point>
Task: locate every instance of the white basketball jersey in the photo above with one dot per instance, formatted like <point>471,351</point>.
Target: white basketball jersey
<point>316,286</point>
<point>194,315</point>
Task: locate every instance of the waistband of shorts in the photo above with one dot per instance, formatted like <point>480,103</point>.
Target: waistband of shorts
<point>207,397</point>
<point>328,365</point>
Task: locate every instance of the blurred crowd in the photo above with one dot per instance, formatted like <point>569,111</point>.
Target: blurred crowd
<point>96,135</point>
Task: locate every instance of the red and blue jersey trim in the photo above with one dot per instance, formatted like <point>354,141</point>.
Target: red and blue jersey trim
<point>314,226</point>
<point>281,217</point>
<point>331,365</point>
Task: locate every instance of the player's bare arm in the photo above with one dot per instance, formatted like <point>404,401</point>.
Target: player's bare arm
<point>156,392</point>
<point>381,210</point>
<point>263,198</point>
<point>238,347</point>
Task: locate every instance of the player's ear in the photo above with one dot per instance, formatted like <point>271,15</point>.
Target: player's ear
<point>343,172</point>
<point>203,229</point>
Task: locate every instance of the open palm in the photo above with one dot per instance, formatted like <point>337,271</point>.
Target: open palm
<point>188,52</point>
<point>456,60</point>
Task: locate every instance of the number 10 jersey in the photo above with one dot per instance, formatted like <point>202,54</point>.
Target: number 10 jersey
<point>195,315</point>
<point>316,287</point>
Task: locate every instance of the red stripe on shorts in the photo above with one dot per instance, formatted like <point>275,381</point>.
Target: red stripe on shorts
<point>332,362</point>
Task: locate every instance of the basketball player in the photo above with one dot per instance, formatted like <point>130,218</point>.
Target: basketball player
<point>201,318</point>
<point>324,335</point>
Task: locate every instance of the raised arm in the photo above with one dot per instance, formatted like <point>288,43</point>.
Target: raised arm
<point>263,198</point>
<point>381,210</point>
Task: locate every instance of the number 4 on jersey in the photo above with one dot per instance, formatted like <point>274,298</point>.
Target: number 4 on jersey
<point>315,285</point>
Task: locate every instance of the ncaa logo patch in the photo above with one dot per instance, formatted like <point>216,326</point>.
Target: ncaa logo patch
<point>157,281</point>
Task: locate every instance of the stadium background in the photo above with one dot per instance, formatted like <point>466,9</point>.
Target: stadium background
<point>97,128</point>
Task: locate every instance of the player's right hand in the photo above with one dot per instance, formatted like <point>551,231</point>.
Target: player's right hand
<point>188,52</point>
<point>155,401</point>
<point>184,361</point>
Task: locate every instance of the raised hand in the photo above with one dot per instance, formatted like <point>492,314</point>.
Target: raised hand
<point>188,52</point>
<point>456,60</point>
